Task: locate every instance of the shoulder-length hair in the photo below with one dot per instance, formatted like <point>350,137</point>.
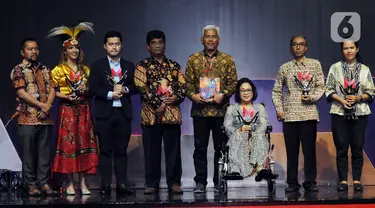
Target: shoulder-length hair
<point>237,96</point>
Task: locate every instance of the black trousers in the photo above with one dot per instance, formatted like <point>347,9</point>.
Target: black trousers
<point>202,128</point>
<point>152,136</point>
<point>349,133</point>
<point>303,132</point>
<point>114,135</point>
<point>36,164</point>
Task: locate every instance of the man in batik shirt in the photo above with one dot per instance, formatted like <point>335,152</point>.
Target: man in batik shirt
<point>211,79</point>
<point>162,86</point>
<point>35,92</point>
<point>298,111</point>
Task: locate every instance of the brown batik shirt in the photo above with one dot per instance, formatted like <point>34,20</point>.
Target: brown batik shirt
<point>154,81</point>
<point>219,65</point>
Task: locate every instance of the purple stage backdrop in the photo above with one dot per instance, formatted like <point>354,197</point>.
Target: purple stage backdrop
<point>264,88</point>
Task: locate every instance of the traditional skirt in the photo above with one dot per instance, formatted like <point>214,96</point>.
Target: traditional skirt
<point>77,149</point>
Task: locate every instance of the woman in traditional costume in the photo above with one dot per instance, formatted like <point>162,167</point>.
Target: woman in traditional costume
<point>77,150</point>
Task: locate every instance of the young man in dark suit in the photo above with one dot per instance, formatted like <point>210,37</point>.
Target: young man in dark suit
<point>111,83</point>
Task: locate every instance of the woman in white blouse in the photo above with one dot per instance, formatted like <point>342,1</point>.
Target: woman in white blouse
<point>350,88</point>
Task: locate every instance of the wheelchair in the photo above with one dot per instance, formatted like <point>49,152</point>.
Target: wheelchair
<point>225,175</point>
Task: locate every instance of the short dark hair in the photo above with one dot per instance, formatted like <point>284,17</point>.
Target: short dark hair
<point>237,96</point>
<point>23,42</point>
<point>112,34</point>
<point>297,36</point>
<point>155,34</point>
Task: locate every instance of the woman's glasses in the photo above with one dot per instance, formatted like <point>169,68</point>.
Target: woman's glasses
<point>243,91</point>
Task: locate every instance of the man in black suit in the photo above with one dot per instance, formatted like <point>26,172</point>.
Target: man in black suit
<point>111,83</point>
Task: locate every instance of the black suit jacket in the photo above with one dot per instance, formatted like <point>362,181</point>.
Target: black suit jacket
<point>99,88</point>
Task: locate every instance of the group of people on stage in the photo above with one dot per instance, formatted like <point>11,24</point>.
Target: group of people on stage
<point>86,142</point>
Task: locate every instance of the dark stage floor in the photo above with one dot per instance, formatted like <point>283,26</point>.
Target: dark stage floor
<point>235,197</point>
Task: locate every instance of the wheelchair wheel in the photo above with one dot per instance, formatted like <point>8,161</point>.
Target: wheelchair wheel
<point>221,166</point>
<point>223,184</point>
<point>271,186</point>
<point>224,187</point>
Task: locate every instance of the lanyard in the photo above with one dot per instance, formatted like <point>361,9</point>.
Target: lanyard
<point>208,69</point>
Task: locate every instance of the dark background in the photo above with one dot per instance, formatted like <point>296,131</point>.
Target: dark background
<point>255,32</point>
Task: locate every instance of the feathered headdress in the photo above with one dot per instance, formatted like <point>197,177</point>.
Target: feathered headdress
<point>71,33</point>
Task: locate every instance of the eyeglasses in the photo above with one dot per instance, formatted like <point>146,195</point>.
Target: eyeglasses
<point>246,91</point>
<point>298,44</point>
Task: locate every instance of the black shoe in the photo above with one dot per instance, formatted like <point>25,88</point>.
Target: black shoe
<point>199,188</point>
<point>265,174</point>
<point>358,187</point>
<point>293,196</point>
<point>292,188</point>
<point>105,190</point>
<point>259,177</point>
<point>123,189</point>
<point>342,187</point>
<point>217,188</point>
<point>130,183</point>
<point>311,195</point>
<point>235,174</point>
<point>310,187</point>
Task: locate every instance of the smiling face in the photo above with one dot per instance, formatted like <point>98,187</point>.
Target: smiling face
<point>246,93</point>
<point>72,53</point>
<point>210,40</point>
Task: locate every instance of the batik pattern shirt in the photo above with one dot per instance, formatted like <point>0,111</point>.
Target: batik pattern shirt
<point>219,65</point>
<point>37,82</point>
<point>290,103</point>
<point>155,81</point>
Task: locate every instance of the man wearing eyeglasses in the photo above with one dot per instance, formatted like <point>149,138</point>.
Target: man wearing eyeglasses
<point>304,79</point>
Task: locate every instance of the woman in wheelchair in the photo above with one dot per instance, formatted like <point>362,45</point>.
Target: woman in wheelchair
<point>245,125</point>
